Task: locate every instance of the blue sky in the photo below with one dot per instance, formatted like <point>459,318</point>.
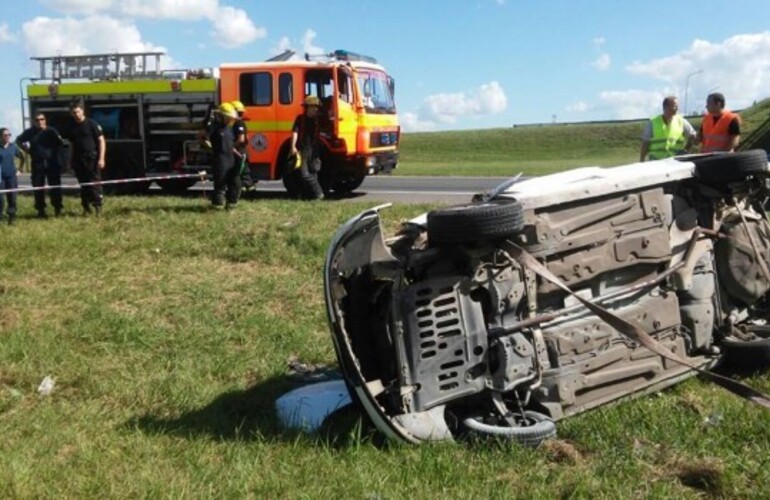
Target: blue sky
<point>458,64</point>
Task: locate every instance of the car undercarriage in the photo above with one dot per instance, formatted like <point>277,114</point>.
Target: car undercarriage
<point>500,317</point>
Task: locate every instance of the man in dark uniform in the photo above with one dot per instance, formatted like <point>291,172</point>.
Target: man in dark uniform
<point>8,180</point>
<point>87,150</point>
<point>43,144</point>
<point>241,141</point>
<point>305,141</point>
<point>227,178</point>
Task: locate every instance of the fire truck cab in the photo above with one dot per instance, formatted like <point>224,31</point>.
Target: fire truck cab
<point>151,117</point>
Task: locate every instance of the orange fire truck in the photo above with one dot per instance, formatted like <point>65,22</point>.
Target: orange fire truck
<point>150,117</point>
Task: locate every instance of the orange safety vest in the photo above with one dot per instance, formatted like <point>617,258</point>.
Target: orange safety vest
<point>715,135</point>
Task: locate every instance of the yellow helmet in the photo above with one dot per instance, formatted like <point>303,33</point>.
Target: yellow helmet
<point>312,100</point>
<point>239,107</point>
<point>297,160</point>
<point>227,109</point>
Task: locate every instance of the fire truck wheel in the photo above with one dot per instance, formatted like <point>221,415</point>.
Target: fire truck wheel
<point>345,185</point>
<point>176,186</point>
<point>292,183</point>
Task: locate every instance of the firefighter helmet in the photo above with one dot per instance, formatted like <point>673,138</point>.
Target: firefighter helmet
<point>312,100</point>
<point>227,109</point>
<point>239,107</point>
<point>295,161</point>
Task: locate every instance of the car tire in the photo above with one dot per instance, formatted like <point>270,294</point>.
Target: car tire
<point>745,354</point>
<point>471,223</point>
<point>731,167</point>
<point>540,427</point>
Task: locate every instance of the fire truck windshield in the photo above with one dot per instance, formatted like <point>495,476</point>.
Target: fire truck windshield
<point>376,93</point>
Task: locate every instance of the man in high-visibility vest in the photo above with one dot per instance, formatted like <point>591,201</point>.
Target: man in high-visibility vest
<point>666,135</point>
<point>720,129</point>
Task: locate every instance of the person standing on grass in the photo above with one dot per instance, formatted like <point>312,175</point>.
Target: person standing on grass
<point>241,141</point>
<point>305,141</point>
<point>668,134</point>
<point>8,180</point>
<point>43,144</point>
<point>227,178</point>
<point>720,129</point>
<point>87,151</point>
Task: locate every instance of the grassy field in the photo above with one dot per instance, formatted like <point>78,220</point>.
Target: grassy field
<point>168,327</point>
<point>534,150</point>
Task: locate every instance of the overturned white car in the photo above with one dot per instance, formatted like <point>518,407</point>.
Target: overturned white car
<point>507,314</point>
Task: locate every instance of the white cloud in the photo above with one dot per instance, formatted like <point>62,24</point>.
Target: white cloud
<point>5,34</point>
<point>232,27</point>
<point>307,42</point>
<point>10,117</point>
<point>183,10</point>
<point>632,104</point>
<point>85,7</point>
<point>602,63</point>
<point>599,41</point>
<point>578,107</point>
<point>308,45</point>
<point>739,66</point>
<point>44,36</point>
<point>411,122</point>
<point>487,99</point>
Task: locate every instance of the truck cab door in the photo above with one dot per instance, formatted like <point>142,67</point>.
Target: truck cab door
<point>345,116</point>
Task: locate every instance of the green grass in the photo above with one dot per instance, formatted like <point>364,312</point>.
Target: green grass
<point>168,328</point>
<point>534,150</point>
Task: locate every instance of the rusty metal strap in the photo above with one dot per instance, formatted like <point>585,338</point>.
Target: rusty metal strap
<point>635,332</point>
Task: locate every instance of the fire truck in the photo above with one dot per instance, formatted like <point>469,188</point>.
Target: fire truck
<point>151,117</point>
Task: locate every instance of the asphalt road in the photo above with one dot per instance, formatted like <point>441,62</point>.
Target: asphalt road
<point>375,189</point>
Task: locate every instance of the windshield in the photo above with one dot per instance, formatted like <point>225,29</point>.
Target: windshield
<point>376,95</point>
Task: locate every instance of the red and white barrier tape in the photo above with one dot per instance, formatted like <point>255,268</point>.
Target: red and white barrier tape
<point>201,176</point>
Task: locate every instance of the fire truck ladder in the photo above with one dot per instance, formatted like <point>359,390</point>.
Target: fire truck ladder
<point>115,66</point>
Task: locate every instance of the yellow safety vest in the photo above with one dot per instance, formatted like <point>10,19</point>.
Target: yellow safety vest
<point>666,140</point>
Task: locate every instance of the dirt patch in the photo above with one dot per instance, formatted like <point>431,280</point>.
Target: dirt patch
<point>705,475</point>
<point>562,452</point>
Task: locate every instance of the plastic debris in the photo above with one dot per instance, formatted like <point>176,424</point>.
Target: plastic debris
<point>46,386</point>
<point>713,419</point>
<point>307,407</point>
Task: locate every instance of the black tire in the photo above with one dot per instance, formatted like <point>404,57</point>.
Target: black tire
<point>745,354</point>
<point>731,167</point>
<point>345,185</point>
<point>133,188</point>
<point>176,186</point>
<point>293,183</point>
<point>475,222</point>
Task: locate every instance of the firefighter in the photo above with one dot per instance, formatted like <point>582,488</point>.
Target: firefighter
<point>227,179</point>
<point>86,157</point>
<point>241,141</point>
<point>43,143</point>
<point>305,144</point>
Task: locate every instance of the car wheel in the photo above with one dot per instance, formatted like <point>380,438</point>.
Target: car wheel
<point>731,167</point>
<point>475,222</point>
<point>535,429</point>
<point>745,354</point>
